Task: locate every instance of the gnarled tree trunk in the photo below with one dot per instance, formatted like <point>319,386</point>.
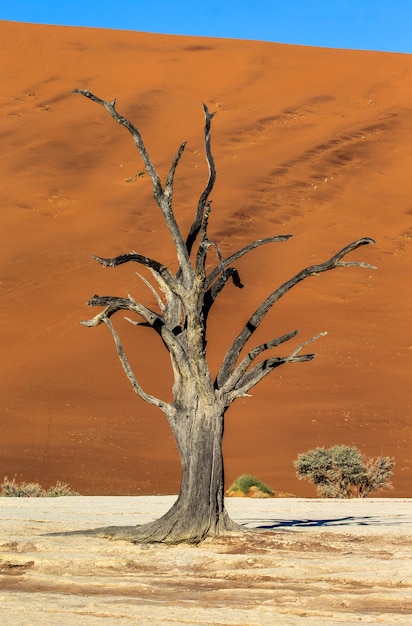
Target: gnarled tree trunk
<point>199,510</point>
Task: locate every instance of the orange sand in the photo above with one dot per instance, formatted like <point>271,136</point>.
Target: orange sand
<point>307,141</point>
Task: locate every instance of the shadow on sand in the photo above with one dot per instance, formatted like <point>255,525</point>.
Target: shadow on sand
<point>265,524</point>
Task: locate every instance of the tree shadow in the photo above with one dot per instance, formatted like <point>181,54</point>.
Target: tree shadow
<point>264,524</point>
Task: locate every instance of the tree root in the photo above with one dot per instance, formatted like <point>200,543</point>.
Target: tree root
<point>164,530</point>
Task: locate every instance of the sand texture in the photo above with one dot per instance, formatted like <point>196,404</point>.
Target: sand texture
<point>310,142</point>
<point>319,562</point>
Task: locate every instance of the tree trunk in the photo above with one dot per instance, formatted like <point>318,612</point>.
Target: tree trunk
<point>199,510</point>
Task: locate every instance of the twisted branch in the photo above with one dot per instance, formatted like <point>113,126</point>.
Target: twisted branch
<point>163,198</point>
<point>204,196</point>
<point>135,132</point>
<point>255,320</point>
<point>163,406</point>
<point>252,355</point>
<point>237,255</point>
<point>158,269</point>
<point>113,304</point>
<point>258,372</point>
<point>168,192</point>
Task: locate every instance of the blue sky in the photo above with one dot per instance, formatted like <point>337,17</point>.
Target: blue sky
<point>357,24</point>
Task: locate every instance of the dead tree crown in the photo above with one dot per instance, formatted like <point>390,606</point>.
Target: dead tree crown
<point>184,299</point>
<point>189,294</point>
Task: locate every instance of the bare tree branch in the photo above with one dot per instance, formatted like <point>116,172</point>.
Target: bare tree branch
<point>168,192</point>
<point>197,223</point>
<point>137,137</point>
<point>213,291</point>
<point>114,304</point>
<point>258,372</point>
<point>153,290</point>
<point>134,257</point>
<point>173,311</point>
<point>237,255</point>
<point>180,361</point>
<point>179,358</point>
<point>219,276</point>
<point>203,247</point>
<point>163,198</point>
<point>252,355</point>
<point>129,372</point>
<point>255,320</point>
<point>300,347</point>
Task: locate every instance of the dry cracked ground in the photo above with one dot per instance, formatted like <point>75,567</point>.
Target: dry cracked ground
<point>309,561</point>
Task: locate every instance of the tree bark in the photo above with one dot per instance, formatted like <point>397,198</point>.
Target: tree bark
<point>199,510</point>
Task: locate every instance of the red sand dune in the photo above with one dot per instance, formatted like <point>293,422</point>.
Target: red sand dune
<point>307,141</point>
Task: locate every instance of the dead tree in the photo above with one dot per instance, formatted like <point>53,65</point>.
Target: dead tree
<point>184,301</point>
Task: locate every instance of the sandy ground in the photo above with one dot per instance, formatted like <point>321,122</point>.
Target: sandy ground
<point>319,562</point>
<point>307,141</point>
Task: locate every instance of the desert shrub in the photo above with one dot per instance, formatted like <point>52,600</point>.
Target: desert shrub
<point>344,472</point>
<point>60,489</point>
<point>245,483</point>
<point>13,489</point>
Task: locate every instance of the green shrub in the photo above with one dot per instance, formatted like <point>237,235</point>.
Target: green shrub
<point>344,472</point>
<point>246,484</point>
<point>13,489</point>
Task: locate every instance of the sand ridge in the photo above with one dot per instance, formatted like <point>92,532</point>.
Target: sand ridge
<point>307,141</point>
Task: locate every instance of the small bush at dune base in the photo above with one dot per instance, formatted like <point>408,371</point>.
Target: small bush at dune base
<point>13,489</point>
<point>249,486</point>
<point>344,472</point>
<point>60,489</point>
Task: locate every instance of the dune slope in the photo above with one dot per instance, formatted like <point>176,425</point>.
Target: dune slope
<point>310,142</point>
